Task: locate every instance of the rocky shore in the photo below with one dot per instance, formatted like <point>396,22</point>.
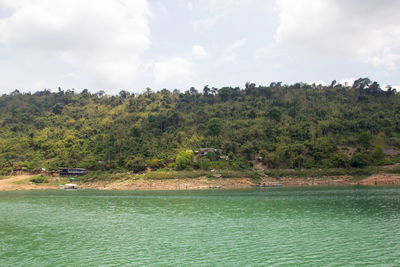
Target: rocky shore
<point>22,182</point>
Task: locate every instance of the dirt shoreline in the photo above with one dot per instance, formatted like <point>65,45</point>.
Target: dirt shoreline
<point>21,182</point>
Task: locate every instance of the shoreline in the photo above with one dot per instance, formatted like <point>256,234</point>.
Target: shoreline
<point>21,182</point>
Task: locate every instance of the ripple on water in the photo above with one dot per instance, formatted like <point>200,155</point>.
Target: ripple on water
<point>296,226</point>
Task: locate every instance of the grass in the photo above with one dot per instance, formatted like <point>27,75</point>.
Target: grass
<point>161,175</point>
<point>39,179</point>
<point>165,175</point>
<point>303,173</point>
<point>51,181</point>
<point>101,176</point>
<point>4,177</point>
<point>394,170</point>
<point>24,181</point>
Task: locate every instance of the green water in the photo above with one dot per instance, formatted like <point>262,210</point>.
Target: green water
<point>260,227</point>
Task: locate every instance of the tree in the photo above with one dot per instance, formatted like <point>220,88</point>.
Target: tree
<point>214,126</point>
<point>361,83</point>
<point>374,89</point>
<point>360,159</point>
<point>193,91</point>
<point>123,94</point>
<point>184,159</point>
<point>57,109</point>
<point>206,90</point>
<point>136,164</point>
<point>340,160</point>
<point>364,139</point>
<point>275,114</point>
<point>378,155</point>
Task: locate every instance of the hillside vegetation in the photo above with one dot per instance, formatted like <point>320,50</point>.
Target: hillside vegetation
<point>296,126</point>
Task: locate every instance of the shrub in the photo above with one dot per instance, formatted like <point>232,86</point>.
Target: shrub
<point>39,179</point>
<point>212,156</point>
<point>5,171</point>
<point>136,164</point>
<point>156,163</point>
<point>364,139</point>
<point>271,161</point>
<point>340,160</point>
<point>378,155</point>
<point>214,126</point>
<point>298,162</point>
<point>241,164</point>
<point>184,159</point>
<point>360,159</point>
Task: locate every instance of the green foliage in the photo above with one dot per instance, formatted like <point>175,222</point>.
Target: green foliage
<point>364,139</point>
<point>162,174</point>
<point>136,164</point>
<point>212,156</point>
<point>102,176</point>
<point>275,114</point>
<point>290,126</point>
<point>340,160</point>
<point>214,126</point>
<point>356,172</point>
<point>271,161</point>
<point>360,159</point>
<point>156,163</point>
<point>184,159</point>
<point>378,155</point>
<point>5,171</point>
<point>40,179</point>
<point>395,170</point>
<point>241,164</point>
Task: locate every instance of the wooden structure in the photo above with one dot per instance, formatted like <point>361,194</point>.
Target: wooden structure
<point>72,171</point>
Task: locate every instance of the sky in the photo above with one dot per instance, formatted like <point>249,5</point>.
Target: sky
<point>115,45</point>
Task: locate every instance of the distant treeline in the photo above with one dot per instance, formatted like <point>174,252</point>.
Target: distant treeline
<point>284,126</point>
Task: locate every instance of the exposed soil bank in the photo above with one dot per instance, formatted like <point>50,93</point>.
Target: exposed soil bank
<point>382,179</point>
<point>22,182</point>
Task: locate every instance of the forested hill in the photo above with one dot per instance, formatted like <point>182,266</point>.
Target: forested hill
<point>288,126</point>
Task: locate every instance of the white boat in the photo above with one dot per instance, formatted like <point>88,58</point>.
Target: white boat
<point>69,186</point>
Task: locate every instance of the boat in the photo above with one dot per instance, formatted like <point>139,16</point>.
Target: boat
<point>270,185</point>
<point>69,186</point>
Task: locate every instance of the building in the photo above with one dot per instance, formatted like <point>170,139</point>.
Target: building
<point>72,171</point>
<point>204,151</point>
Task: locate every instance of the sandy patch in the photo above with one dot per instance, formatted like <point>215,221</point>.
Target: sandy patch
<point>21,182</point>
<point>171,184</point>
<point>382,179</point>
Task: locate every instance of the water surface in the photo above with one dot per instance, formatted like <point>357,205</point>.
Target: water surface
<point>261,227</point>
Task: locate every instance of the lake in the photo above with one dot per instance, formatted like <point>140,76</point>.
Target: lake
<point>327,226</point>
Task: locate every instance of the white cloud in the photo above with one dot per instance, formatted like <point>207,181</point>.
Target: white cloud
<point>366,31</point>
<point>386,59</point>
<point>347,81</point>
<point>199,52</point>
<point>102,40</point>
<point>172,71</point>
<point>215,11</point>
<point>230,53</point>
<point>319,82</point>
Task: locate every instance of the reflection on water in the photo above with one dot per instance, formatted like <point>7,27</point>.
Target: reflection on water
<point>295,226</point>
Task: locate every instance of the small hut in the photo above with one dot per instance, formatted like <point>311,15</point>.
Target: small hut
<point>72,171</point>
<point>204,151</point>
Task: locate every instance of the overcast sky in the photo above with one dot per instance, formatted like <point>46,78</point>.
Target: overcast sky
<point>115,45</point>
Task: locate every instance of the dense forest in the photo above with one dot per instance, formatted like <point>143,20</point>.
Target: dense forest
<point>283,126</point>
